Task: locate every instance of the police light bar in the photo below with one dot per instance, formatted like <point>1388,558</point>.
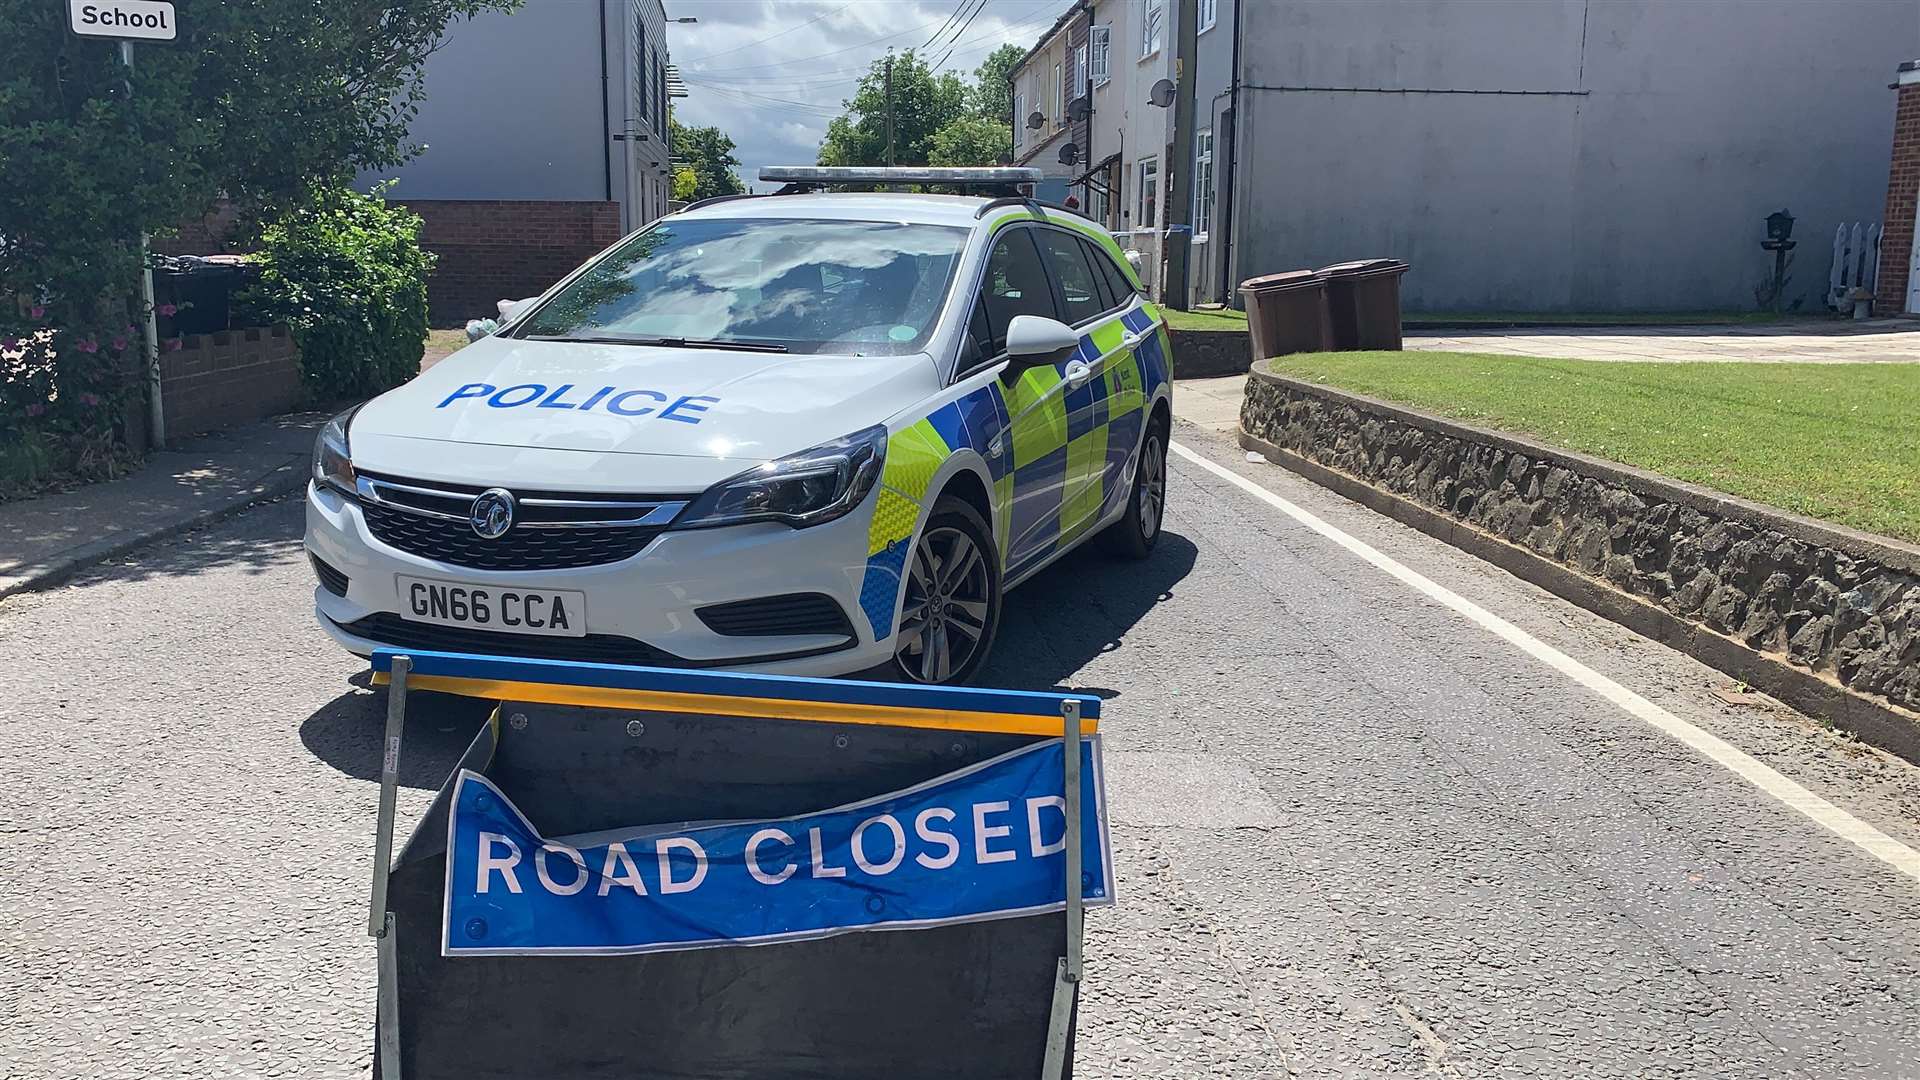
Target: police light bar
<point>901,174</point>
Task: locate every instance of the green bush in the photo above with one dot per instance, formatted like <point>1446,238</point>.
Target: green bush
<point>349,276</point>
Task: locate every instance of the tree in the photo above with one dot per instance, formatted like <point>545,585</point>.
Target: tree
<point>923,103</point>
<point>970,140</point>
<point>266,102</point>
<point>708,153</point>
<point>685,183</point>
<point>992,93</point>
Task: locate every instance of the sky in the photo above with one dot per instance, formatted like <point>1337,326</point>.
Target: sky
<point>773,73</point>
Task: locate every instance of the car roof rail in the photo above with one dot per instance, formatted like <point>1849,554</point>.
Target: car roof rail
<point>1023,200</point>
<point>711,199</point>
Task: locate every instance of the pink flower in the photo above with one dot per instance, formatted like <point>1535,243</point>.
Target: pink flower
<point>119,344</point>
<point>9,344</point>
<point>36,409</point>
<point>90,400</point>
<point>173,343</point>
<point>167,310</point>
<point>132,329</point>
<point>37,311</point>
<point>87,345</point>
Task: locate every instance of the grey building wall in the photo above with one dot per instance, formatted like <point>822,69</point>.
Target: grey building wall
<point>513,110</point>
<point>1212,110</point>
<point>1563,154</point>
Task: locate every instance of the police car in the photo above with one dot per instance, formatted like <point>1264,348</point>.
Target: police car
<point>808,433</point>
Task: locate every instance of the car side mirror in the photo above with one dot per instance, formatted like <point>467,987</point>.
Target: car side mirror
<point>511,309</point>
<point>1033,340</point>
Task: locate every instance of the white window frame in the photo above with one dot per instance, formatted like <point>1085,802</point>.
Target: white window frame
<point>1209,14</point>
<point>1152,222</point>
<point>1202,184</point>
<point>1153,28</point>
<point>1080,55</point>
<point>1019,120</point>
<point>1057,106</point>
<point>1100,62</point>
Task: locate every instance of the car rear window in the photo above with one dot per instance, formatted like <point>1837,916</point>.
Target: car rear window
<point>805,285</point>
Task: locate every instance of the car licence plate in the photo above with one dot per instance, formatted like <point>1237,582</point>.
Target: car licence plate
<point>509,610</point>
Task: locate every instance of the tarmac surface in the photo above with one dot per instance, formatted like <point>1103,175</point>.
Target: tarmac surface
<point>1356,834</point>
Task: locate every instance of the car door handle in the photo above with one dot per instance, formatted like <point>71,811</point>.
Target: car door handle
<point>1077,373</point>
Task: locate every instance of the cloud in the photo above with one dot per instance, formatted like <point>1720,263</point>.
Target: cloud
<point>772,73</point>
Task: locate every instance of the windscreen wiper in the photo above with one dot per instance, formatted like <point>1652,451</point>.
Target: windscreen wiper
<point>669,342</point>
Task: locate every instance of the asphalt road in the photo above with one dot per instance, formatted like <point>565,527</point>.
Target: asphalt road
<point>1356,834</point>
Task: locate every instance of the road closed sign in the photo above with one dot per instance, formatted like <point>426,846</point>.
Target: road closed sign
<point>144,20</point>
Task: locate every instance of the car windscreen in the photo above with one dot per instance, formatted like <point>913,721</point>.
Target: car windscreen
<point>796,285</point>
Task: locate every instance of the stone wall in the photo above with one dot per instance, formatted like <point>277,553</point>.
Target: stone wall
<point>1837,604</point>
<point>1207,354</point>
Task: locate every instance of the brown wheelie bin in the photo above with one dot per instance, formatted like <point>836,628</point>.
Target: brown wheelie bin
<point>1363,303</point>
<point>1286,313</point>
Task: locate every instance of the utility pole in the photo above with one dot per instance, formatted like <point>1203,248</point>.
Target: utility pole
<point>889,109</point>
<point>1173,291</point>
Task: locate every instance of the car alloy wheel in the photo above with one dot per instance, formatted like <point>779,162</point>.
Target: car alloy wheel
<point>1153,484</point>
<point>947,617</point>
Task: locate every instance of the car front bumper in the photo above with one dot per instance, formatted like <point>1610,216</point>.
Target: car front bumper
<point>652,598</point>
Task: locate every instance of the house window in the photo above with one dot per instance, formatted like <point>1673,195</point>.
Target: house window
<point>1209,11</point>
<point>1202,184</point>
<point>659,95</point>
<point>1059,103</point>
<point>1101,40</point>
<point>1080,72</point>
<point>1019,120</point>
<point>1153,23</point>
<point>1149,190</point>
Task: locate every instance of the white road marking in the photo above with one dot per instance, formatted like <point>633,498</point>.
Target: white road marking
<point>1715,749</point>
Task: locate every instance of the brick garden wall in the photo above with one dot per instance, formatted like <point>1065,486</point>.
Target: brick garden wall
<point>232,377</point>
<point>504,250</point>
<point>1903,183</point>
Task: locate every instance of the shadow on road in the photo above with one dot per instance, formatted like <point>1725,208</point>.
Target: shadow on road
<point>346,733</point>
<point>1077,609</point>
<point>1053,626</point>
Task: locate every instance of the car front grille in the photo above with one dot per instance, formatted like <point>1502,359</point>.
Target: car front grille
<point>773,616</point>
<point>552,530</point>
<point>390,629</point>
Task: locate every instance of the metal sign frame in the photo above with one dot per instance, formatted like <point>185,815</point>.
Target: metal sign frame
<point>381,923</point>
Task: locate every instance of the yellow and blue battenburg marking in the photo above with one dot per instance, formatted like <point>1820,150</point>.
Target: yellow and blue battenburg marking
<point>726,693</point>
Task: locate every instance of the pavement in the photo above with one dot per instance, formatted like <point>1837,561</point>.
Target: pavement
<point>1871,341</point>
<point>1356,833</point>
<point>203,479</point>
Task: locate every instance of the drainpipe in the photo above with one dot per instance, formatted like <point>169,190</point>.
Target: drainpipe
<point>606,118</point>
<point>1233,158</point>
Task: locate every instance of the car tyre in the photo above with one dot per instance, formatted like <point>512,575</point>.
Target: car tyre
<point>950,608</point>
<point>1138,530</point>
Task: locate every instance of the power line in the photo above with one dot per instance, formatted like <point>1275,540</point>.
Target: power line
<point>770,37</point>
<point>962,30</point>
<point>962,6</point>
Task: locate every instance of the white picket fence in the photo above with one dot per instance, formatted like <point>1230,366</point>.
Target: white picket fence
<point>1856,262</point>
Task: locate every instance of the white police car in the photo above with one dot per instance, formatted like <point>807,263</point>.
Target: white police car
<point>810,433</point>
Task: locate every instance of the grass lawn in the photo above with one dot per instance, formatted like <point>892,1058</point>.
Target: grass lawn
<point>1224,319</point>
<point>1831,441</point>
<point>1229,319</point>
<point>1601,318</point>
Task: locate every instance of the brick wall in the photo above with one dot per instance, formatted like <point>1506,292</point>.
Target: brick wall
<point>1903,184</point>
<point>504,250</point>
<point>232,377</point>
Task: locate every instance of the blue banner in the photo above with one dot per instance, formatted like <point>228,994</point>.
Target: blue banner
<point>987,842</point>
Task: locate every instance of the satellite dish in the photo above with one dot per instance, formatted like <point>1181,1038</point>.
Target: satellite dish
<point>1069,154</point>
<point>1037,120</point>
<point>1161,94</point>
<point>1079,108</point>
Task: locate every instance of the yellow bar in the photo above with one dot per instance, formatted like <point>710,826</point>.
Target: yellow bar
<point>760,708</point>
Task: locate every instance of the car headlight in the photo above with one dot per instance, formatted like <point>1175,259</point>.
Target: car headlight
<point>808,488</point>
<point>332,460</point>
